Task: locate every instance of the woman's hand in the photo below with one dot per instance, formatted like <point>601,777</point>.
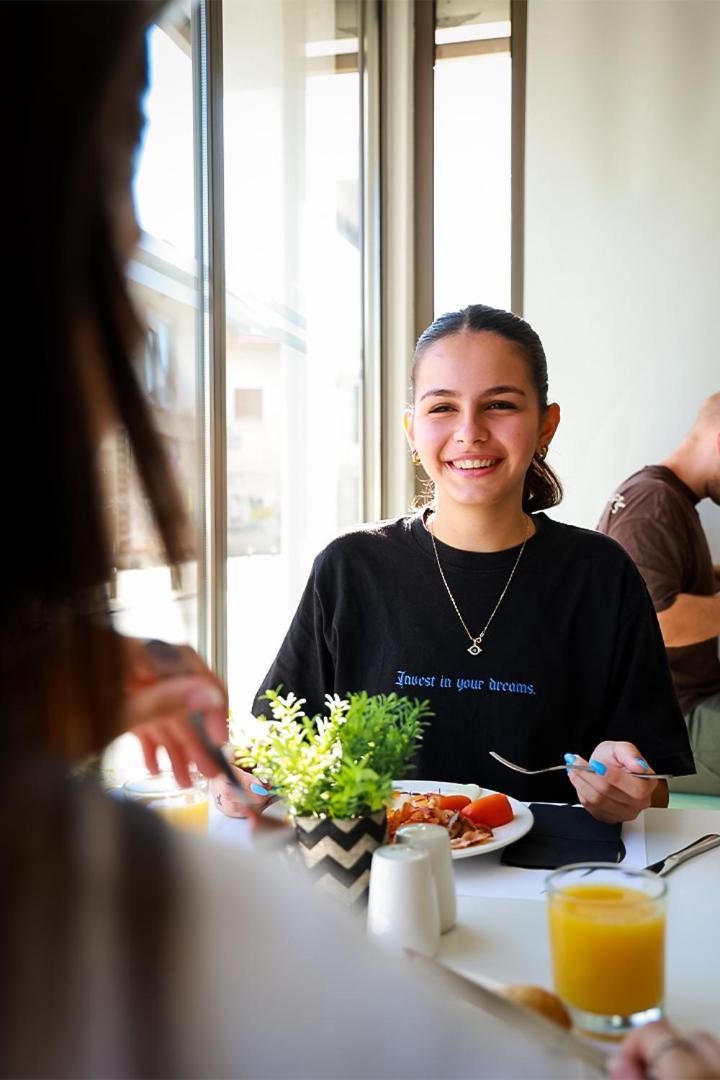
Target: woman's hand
<point>225,795</point>
<point>658,1050</point>
<point>610,793</point>
<point>167,684</point>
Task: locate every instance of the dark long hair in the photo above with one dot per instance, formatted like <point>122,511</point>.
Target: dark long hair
<point>72,123</point>
<point>542,487</point>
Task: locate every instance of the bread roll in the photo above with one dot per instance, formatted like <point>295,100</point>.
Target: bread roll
<point>542,1001</point>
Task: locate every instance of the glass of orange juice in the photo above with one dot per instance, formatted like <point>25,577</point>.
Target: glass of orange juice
<point>607,941</point>
<point>186,808</point>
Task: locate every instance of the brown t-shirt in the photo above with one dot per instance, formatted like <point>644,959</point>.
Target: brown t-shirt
<point>653,516</point>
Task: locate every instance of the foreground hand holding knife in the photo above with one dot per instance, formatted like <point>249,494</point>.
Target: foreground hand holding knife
<point>191,730</point>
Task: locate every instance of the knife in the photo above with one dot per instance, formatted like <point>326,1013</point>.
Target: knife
<point>554,1038</point>
<point>664,866</point>
<point>274,833</point>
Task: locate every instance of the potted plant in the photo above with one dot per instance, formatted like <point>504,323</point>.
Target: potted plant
<point>335,774</point>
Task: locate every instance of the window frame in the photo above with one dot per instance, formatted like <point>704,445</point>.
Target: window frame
<point>396,57</point>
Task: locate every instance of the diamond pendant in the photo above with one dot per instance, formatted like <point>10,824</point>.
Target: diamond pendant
<point>475,649</point>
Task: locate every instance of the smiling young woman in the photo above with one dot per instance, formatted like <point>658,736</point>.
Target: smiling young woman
<point>477,424</point>
<point>529,637</point>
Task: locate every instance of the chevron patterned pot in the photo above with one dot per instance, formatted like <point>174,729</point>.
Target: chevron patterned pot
<point>338,853</point>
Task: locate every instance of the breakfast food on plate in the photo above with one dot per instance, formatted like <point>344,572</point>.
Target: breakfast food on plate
<point>432,809</point>
<point>491,810</point>
<point>452,802</point>
<point>536,997</point>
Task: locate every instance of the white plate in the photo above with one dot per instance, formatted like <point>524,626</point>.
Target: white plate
<point>502,835</point>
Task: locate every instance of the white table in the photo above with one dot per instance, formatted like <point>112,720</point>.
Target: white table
<point>507,940</point>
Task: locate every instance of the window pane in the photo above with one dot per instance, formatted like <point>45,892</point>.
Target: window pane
<point>151,600</point>
<point>472,157</point>
<point>292,167</point>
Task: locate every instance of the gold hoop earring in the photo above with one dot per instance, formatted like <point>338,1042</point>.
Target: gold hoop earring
<point>415,456</point>
<point>543,452</point>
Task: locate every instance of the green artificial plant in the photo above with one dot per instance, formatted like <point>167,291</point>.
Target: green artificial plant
<point>340,765</point>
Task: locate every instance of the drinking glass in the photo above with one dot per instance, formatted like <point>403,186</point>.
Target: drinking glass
<point>185,808</point>
<point>607,941</point>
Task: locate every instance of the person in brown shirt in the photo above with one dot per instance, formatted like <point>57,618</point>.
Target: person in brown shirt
<point>653,515</point>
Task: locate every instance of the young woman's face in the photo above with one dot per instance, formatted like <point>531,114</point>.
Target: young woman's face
<point>477,422</point>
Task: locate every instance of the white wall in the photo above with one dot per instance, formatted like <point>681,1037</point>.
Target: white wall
<point>622,252</point>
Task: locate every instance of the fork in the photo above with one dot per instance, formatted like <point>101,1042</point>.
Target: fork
<point>577,768</point>
<point>268,825</point>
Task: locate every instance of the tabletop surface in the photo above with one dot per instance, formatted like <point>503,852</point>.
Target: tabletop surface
<point>506,940</point>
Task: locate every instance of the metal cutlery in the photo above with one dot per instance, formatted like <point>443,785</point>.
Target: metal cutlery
<point>675,858</point>
<point>267,824</point>
<point>577,768</point>
<point>198,722</point>
<point>534,772</point>
<point>550,1035</point>
<point>168,660</point>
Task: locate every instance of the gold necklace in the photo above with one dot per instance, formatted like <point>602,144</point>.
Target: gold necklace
<point>476,642</point>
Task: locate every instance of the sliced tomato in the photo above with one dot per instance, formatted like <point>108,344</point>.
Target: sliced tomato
<point>453,802</point>
<point>491,810</point>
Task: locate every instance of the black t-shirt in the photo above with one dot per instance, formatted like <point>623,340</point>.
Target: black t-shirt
<point>574,654</point>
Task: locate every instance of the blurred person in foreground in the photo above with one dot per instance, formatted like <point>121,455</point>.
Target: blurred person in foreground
<point>653,514</point>
<point>126,950</point>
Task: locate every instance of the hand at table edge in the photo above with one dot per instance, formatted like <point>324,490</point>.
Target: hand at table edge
<point>660,1051</point>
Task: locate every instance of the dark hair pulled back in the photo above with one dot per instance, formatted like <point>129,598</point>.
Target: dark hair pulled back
<point>542,487</point>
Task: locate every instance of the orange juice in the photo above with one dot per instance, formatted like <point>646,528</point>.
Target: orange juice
<point>185,808</point>
<point>607,948</point>
<point>190,815</point>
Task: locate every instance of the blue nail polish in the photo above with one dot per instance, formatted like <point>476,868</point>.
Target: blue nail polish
<point>258,789</point>
<point>597,767</point>
<point>642,763</point>
<point>570,759</point>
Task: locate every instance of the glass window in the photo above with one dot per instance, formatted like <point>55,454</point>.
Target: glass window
<point>472,155</point>
<point>293,262</point>
<point>150,598</point>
